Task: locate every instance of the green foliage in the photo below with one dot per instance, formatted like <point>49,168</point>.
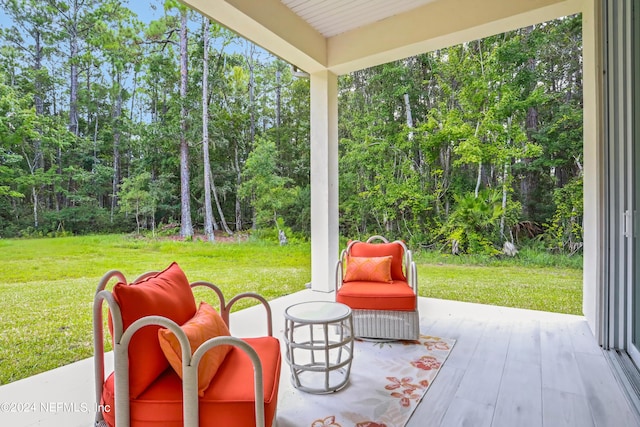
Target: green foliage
<point>84,219</point>
<point>473,224</point>
<point>565,233</point>
<point>136,196</point>
<point>270,192</point>
<point>417,137</point>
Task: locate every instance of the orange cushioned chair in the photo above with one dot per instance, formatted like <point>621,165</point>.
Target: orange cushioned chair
<point>154,322</point>
<point>379,281</point>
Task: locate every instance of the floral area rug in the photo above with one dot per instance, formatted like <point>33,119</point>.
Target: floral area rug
<point>387,382</point>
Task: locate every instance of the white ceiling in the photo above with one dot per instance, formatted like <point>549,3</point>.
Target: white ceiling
<point>332,17</point>
<point>341,36</point>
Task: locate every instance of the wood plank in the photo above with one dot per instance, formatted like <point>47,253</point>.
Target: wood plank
<point>608,403</point>
<point>435,402</point>
<point>561,409</point>
<point>468,337</point>
<point>524,344</point>
<point>519,400</point>
<point>559,369</point>
<point>582,338</point>
<point>444,328</point>
<point>483,376</point>
<point>465,413</point>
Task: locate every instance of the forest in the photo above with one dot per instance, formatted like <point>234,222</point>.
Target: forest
<point>109,124</point>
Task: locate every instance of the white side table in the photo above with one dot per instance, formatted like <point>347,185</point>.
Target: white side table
<point>319,345</point>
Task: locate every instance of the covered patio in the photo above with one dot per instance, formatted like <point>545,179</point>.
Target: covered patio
<point>509,367</point>
<point>330,38</point>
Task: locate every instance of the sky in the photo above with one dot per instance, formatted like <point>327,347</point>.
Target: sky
<point>147,10</point>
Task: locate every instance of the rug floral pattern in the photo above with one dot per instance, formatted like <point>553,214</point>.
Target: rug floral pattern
<point>387,382</point>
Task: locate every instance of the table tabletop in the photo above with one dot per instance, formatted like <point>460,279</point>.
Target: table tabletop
<point>317,312</point>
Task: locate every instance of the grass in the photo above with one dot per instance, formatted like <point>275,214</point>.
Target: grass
<point>547,289</point>
<point>534,280</point>
<point>47,285</point>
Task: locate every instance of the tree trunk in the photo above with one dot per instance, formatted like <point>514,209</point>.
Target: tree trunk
<point>479,179</point>
<point>223,220</point>
<point>252,83</point>
<point>239,224</point>
<point>39,104</point>
<point>505,175</point>
<point>38,101</point>
<point>278,106</point>
<point>73,83</point>
<point>117,134</point>
<point>407,106</point>
<point>208,211</point>
<point>34,195</point>
<point>186,228</point>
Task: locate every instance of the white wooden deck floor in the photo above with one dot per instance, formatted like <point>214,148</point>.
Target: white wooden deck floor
<point>522,368</point>
<point>509,367</point>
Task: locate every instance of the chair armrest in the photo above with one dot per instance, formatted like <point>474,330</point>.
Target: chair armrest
<point>121,366</point>
<point>98,330</point>
<point>412,271</point>
<point>218,292</point>
<point>190,365</point>
<point>340,269</point>
<point>190,380</point>
<point>413,277</point>
<point>260,298</point>
<point>377,237</point>
<point>225,309</point>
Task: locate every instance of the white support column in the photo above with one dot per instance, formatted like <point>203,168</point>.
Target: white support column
<point>594,162</point>
<point>324,180</point>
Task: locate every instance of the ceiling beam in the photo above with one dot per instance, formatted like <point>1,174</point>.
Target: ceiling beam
<point>443,23</point>
<point>271,25</point>
<point>435,26</point>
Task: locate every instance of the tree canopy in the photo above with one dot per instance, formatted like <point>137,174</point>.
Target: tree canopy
<point>110,124</point>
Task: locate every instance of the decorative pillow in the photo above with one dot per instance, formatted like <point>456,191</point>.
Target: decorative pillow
<point>368,269</point>
<point>362,249</point>
<point>165,294</point>
<point>206,324</point>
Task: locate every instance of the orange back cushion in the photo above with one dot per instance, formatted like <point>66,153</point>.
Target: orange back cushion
<point>206,324</point>
<point>368,269</point>
<point>393,249</point>
<point>165,294</point>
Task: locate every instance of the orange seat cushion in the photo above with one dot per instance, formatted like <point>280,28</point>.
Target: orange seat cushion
<point>393,249</point>
<point>377,296</point>
<point>229,400</point>
<point>368,269</point>
<point>206,324</point>
<point>165,294</point>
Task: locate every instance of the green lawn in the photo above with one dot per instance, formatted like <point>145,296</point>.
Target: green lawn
<point>536,288</point>
<point>47,286</point>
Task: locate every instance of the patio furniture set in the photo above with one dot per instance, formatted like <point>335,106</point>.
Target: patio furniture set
<point>176,364</point>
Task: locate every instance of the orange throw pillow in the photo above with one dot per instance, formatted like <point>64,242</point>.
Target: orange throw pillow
<point>394,249</point>
<point>368,269</point>
<point>206,324</point>
<point>165,294</point>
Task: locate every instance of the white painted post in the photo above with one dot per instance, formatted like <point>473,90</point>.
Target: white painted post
<point>593,300</point>
<point>324,180</point>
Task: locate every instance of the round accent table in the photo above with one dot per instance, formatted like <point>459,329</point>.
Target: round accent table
<point>319,345</point>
